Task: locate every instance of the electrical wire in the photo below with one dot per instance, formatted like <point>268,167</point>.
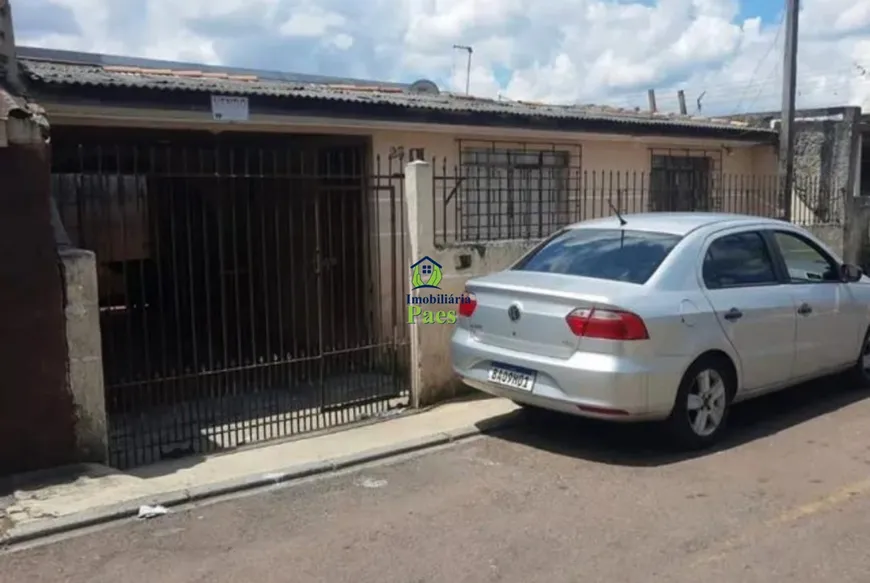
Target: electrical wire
<point>808,87</point>
<point>772,73</point>
<point>761,61</point>
<point>730,88</point>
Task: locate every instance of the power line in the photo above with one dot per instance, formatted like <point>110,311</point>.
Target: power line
<point>721,93</point>
<point>769,101</point>
<point>758,93</point>
<point>764,58</point>
<point>804,88</point>
<point>731,88</point>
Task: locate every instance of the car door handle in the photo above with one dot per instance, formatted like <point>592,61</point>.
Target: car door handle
<point>805,310</point>
<point>733,314</point>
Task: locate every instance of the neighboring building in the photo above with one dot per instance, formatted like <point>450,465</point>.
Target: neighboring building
<point>253,268</point>
<point>830,161</point>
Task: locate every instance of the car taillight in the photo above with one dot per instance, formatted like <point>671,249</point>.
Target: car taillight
<point>468,305</point>
<point>606,324</point>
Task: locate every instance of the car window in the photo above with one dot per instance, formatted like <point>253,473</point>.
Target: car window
<point>804,262</point>
<point>614,254</point>
<point>741,259</point>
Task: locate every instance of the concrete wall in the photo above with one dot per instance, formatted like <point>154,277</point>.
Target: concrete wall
<point>84,345</point>
<point>856,232</point>
<point>827,160</point>
<point>37,416</point>
<point>51,395</point>
<point>827,168</point>
<point>825,165</point>
<point>834,236</point>
<point>432,373</point>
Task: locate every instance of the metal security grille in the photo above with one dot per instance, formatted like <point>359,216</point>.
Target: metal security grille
<point>512,191</point>
<point>244,283</point>
<point>684,180</point>
<point>526,192</point>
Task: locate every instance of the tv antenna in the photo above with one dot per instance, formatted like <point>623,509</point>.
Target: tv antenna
<point>469,50</point>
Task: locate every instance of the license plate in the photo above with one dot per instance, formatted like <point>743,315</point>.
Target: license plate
<point>511,376</point>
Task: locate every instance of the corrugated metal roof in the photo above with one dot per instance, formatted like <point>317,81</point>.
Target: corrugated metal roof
<point>81,58</point>
<point>56,73</point>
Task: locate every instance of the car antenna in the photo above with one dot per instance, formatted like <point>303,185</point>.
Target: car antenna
<point>622,221</point>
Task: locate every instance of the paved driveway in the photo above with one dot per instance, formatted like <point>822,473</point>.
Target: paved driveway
<point>557,500</point>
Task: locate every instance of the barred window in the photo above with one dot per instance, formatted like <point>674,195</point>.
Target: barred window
<point>680,183</point>
<point>512,194</point>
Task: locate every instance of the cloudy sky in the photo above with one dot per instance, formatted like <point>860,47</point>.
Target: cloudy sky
<point>727,52</point>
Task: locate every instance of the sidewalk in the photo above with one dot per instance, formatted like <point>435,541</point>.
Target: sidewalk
<point>93,494</point>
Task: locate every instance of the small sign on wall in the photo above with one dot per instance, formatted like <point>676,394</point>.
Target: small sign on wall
<point>229,108</point>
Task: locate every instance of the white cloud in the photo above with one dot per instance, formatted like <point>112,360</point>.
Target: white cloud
<point>341,41</point>
<point>311,23</point>
<point>604,51</point>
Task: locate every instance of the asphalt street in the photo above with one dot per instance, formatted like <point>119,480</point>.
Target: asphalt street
<point>553,499</point>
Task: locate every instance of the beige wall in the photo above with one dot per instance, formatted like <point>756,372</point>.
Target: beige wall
<point>437,382</point>
<point>612,153</point>
<point>602,168</point>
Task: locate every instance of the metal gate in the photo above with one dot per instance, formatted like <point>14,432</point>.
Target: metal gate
<point>244,283</point>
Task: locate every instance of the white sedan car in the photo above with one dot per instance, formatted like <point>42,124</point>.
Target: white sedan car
<point>664,316</point>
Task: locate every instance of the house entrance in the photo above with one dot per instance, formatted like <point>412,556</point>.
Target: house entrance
<point>240,297</point>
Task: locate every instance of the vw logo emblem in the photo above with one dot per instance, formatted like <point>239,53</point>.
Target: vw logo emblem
<point>514,313</point>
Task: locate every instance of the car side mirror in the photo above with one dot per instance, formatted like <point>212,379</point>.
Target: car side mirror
<point>850,273</point>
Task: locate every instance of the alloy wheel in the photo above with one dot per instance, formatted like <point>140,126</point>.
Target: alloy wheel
<point>708,400</point>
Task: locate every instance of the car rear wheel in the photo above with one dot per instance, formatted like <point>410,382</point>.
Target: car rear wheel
<point>703,402</point>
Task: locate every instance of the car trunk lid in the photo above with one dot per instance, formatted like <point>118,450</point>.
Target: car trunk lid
<point>526,311</point>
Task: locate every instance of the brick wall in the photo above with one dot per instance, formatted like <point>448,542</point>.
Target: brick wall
<point>37,416</point>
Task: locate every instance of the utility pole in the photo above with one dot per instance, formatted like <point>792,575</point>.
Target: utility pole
<point>469,50</point>
<point>789,85</point>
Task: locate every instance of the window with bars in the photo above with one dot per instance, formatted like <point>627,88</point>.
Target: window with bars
<point>512,193</point>
<point>681,183</point>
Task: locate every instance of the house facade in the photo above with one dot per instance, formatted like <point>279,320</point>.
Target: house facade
<point>251,228</point>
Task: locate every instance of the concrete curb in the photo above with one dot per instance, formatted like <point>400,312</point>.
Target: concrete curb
<point>130,508</point>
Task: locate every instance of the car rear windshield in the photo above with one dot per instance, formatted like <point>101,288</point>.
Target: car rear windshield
<point>614,254</point>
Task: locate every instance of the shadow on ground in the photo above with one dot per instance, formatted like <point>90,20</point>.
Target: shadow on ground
<point>67,476</point>
<point>646,445</point>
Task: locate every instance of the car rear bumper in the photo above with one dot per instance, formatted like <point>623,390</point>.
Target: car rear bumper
<point>590,385</point>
